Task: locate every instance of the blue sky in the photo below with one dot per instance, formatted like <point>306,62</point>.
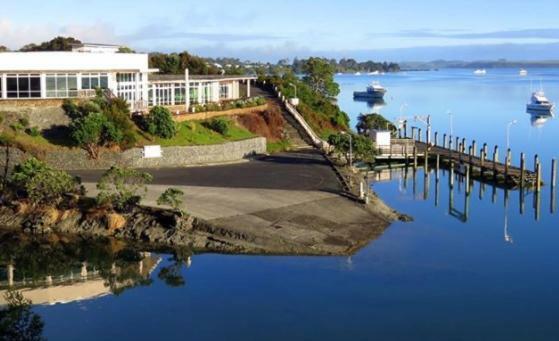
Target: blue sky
<point>265,30</point>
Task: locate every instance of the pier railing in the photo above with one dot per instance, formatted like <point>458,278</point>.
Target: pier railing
<point>455,152</point>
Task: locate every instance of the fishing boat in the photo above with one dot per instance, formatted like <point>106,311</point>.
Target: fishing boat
<point>374,91</point>
<point>539,104</point>
<point>480,72</point>
<point>523,73</point>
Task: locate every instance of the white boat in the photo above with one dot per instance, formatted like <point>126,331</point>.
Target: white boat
<point>523,73</point>
<point>374,91</point>
<point>374,73</point>
<point>358,73</point>
<point>539,104</point>
<point>480,72</point>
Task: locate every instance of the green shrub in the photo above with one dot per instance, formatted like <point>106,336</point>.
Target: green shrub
<point>219,125</point>
<point>33,131</point>
<point>119,187</point>
<point>24,122</point>
<point>34,180</point>
<point>160,122</point>
<point>172,197</point>
<point>93,132</point>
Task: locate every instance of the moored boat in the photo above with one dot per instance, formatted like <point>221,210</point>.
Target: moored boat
<point>480,72</point>
<point>539,104</point>
<point>374,91</point>
<point>523,73</point>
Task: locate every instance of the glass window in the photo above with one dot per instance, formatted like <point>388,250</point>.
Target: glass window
<point>85,83</point>
<point>24,86</point>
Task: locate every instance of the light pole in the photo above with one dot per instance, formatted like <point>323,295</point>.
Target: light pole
<point>508,131</point>
<point>350,148</point>
<point>451,123</point>
<point>295,87</point>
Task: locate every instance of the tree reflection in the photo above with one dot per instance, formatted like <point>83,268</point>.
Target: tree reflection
<point>17,321</point>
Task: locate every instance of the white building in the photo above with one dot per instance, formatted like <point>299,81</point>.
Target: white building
<point>36,76</point>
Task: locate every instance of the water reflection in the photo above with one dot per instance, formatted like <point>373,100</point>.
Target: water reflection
<point>537,120</point>
<point>459,187</point>
<point>374,105</point>
<point>60,270</point>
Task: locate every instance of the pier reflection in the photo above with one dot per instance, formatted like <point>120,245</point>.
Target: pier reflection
<point>454,185</point>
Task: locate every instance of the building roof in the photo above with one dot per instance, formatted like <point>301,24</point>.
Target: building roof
<point>171,78</point>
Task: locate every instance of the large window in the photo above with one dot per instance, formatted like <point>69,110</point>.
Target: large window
<point>224,91</point>
<point>92,81</point>
<point>61,85</point>
<point>23,86</point>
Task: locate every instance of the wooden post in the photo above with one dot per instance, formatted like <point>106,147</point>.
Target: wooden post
<point>463,146</point>
<point>419,134</point>
<point>522,168</point>
<point>470,153</point>
<point>467,179</point>
<point>450,148</point>
<point>474,147</point>
<point>437,165</point>
<point>482,159</point>
<point>538,176</point>
<point>413,133</point>
<point>553,173</point>
<point>414,157</point>
<point>457,145</point>
<point>426,161</point>
<point>444,140</point>
<point>485,150</point>
<point>495,160</point>
<point>460,152</point>
<point>506,166</point>
<point>436,139</point>
<point>405,129</point>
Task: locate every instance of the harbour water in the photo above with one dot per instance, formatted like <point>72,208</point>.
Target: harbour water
<point>467,267</point>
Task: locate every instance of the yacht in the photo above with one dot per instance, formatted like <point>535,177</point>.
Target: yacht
<point>523,73</point>
<point>480,72</point>
<point>358,73</point>
<point>374,91</point>
<point>539,104</point>
<point>374,73</point>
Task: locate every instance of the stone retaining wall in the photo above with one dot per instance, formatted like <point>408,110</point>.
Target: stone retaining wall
<point>43,114</point>
<point>74,159</point>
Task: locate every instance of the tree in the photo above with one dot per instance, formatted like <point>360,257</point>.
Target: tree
<point>4,48</point>
<point>125,49</point>
<point>368,122</point>
<point>362,147</point>
<point>93,132</point>
<point>319,75</point>
<point>17,321</point>
<point>56,44</point>
<point>120,187</point>
<point>34,180</point>
<point>160,122</point>
<point>172,197</point>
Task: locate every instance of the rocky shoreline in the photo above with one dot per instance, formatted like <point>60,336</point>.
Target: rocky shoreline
<point>165,228</point>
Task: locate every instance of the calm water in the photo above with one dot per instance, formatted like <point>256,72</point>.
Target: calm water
<point>473,268</point>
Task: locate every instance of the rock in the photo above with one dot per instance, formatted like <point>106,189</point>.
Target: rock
<point>115,222</point>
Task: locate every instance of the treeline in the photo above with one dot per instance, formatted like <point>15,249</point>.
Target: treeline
<point>350,65</point>
<point>56,44</point>
<point>176,63</point>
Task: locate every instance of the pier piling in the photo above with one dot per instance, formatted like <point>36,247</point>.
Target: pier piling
<point>553,173</point>
<point>522,168</point>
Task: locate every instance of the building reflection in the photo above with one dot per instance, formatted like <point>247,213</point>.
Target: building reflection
<point>48,272</point>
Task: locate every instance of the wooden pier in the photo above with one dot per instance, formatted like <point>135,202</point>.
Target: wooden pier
<point>468,161</point>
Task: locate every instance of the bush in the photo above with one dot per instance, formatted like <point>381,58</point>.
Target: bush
<point>119,187</point>
<point>219,125</point>
<point>33,131</point>
<point>362,147</point>
<point>160,122</point>
<point>34,180</point>
<point>93,132</point>
<point>172,197</point>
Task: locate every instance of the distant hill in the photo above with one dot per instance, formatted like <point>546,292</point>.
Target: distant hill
<point>487,64</point>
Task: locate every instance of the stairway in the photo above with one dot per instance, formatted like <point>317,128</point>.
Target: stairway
<point>292,130</point>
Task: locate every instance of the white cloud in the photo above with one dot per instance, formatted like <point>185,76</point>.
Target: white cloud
<point>15,36</point>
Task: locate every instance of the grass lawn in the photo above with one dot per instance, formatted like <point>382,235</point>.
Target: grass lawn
<point>195,133</point>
